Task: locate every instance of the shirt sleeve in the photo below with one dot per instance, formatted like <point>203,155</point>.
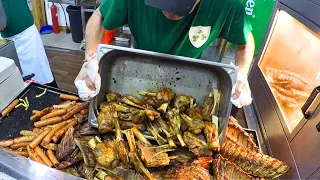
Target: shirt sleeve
<point>237,26</point>
<point>114,13</point>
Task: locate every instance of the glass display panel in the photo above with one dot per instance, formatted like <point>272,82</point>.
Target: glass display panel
<point>291,65</point>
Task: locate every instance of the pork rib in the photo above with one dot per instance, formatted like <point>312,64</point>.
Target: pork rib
<point>224,169</point>
<point>254,163</point>
<point>238,135</point>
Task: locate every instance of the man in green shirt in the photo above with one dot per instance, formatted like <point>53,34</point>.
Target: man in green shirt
<point>21,30</point>
<point>178,27</point>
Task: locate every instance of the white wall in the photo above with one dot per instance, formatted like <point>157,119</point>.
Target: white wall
<point>61,18</point>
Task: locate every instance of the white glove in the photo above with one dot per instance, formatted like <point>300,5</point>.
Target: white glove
<point>88,81</point>
<point>245,98</point>
<point>241,87</point>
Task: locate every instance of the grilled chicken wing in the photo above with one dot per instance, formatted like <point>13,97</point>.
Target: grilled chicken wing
<point>194,125</point>
<point>105,154</point>
<point>138,165</point>
<point>156,156</point>
<point>155,131</point>
<point>106,118</point>
<point>182,103</point>
<point>212,136</point>
<point>195,113</point>
<point>196,145</point>
<point>175,120</point>
<point>112,97</point>
<point>156,99</point>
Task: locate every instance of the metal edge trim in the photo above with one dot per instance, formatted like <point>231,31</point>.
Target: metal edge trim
<point>102,48</point>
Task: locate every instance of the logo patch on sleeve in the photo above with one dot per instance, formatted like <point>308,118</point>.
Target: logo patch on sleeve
<point>199,35</point>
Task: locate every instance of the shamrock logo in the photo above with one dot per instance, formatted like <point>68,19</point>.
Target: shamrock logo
<point>198,35</point>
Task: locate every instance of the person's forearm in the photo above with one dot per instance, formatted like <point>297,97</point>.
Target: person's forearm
<point>94,32</point>
<point>244,56</point>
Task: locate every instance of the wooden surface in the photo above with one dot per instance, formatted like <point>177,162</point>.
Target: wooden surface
<point>38,13</point>
<point>65,67</point>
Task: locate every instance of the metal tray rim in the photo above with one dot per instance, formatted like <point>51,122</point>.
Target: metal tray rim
<point>228,69</point>
<point>103,49</point>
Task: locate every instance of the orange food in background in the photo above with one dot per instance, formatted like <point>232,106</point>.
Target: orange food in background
<point>108,36</point>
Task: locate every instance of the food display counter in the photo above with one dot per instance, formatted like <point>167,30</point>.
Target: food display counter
<point>284,81</point>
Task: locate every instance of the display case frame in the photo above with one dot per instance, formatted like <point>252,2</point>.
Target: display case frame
<point>307,23</point>
<point>267,114</point>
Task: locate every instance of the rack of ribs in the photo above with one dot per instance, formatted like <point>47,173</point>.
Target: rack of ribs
<point>252,162</point>
<point>224,169</point>
<point>239,136</point>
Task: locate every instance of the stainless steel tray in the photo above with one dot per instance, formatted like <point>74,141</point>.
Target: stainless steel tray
<point>129,71</point>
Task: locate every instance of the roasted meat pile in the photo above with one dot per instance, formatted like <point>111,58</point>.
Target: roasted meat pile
<point>158,136</point>
<point>161,130</point>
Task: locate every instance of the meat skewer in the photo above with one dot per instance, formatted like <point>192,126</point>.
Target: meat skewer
<point>27,133</point>
<point>77,108</point>
<point>50,146</point>
<point>9,108</point>
<point>49,121</point>
<point>35,112</point>
<point>38,140</point>
<point>44,158</point>
<point>69,97</point>
<point>49,136</point>
<point>34,156</point>
<point>60,132</point>
<point>38,115</point>
<point>65,105</point>
<point>19,145</point>
<point>23,139</point>
<point>56,113</point>
<point>6,143</point>
<point>84,111</point>
<point>52,157</point>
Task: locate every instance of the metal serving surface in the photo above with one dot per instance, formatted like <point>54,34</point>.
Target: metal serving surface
<point>21,168</point>
<point>129,71</point>
<point>19,118</point>
<point>16,166</point>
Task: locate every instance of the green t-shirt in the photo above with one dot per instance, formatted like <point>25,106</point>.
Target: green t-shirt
<point>188,36</point>
<point>19,17</point>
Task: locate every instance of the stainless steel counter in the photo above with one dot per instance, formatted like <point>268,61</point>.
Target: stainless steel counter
<point>8,50</point>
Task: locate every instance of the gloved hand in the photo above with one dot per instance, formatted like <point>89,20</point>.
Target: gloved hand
<point>241,93</point>
<point>88,81</point>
